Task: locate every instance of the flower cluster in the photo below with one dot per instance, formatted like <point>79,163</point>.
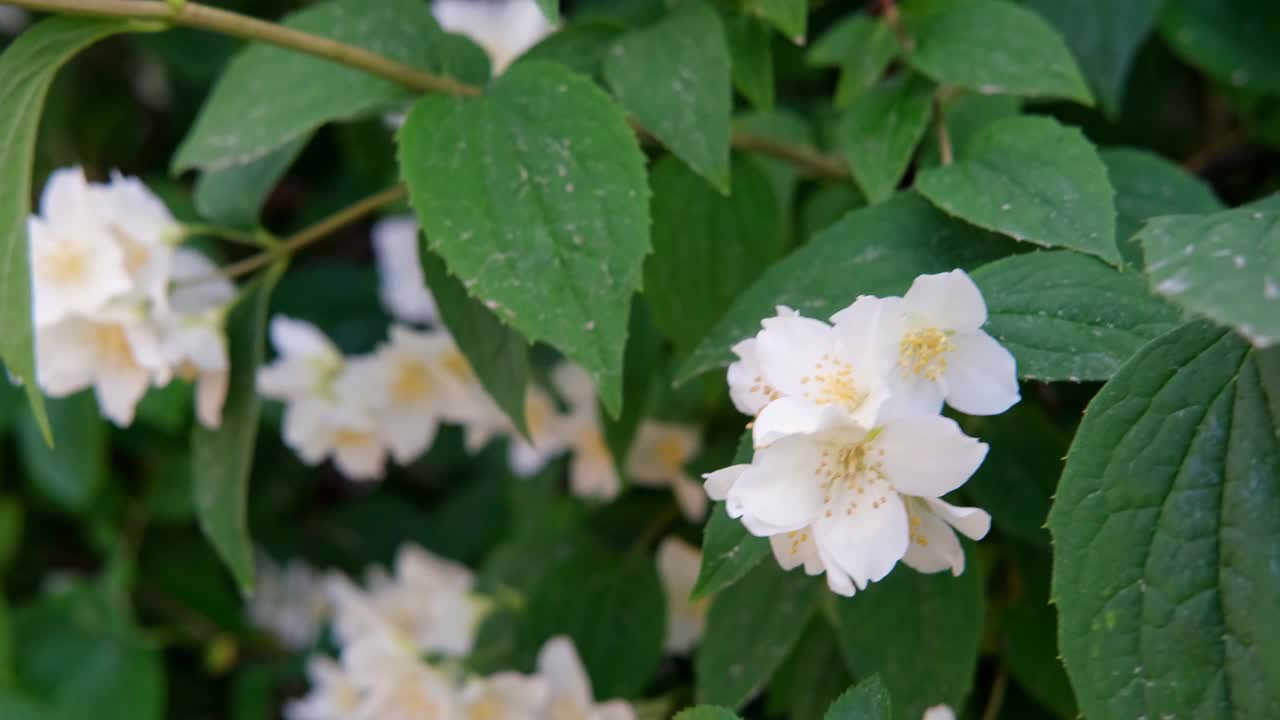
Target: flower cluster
<point>118,306</point>
<point>851,456</point>
<point>402,636</point>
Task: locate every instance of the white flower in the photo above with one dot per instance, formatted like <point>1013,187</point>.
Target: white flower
<point>570,688</point>
<point>117,353</point>
<point>333,695</point>
<point>545,427</point>
<point>401,284</point>
<point>193,339</point>
<point>289,601</point>
<point>404,388</point>
<point>503,28</point>
<point>678,565</point>
<point>749,389</point>
<point>504,696</point>
<point>13,20</point>
<point>428,604</point>
<point>145,231</point>
<point>320,428</point>
<point>933,341</point>
<point>306,362</point>
<point>395,683</point>
<point>657,457</point>
<point>77,266</point>
<point>818,477</point>
<point>592,472</point>
<point>939,712</point>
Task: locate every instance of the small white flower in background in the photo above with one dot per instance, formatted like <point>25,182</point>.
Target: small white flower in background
<point>592,472</point>
<point>306,362</point>
<point>13,20</point>
<point>505,29</point>
<point>545,429</point>
<point>678,565</point>
<point>193,339</point>
<point>932,337</point>
<point>290,602</point>
<point>504,696</point>
<point>570,696</point>
<point>657,457</point>
<point>395,683</point>
<point>402,288</point>
<point>428,604</point>
<point>939,712</point>
<point>342,430</point>
<point>333,695</point>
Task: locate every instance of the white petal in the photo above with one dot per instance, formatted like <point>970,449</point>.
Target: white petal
<point>65,358</point>
<point>575,385</point>
<point>981,376</point>
<point>402,286</point>
<point>119,389</point>
<point>939,712</point>
<point>65,194</point>
<point>795,548</point>
<point>615,710</point>
<point>592,473</point>
<point>300,338</point>
<point>928,456</point>
<point>973,522</point>
<point>934,546</point>
<point>746,379</point>
<point>659,451</point>
<point>361,460</point>
<point>948,301</point>
<point>794,416</point>
<point>910,395</point>
<point>791,349</point>
<point>864,534</point>
<point>559,665</point>
<point>211,395</point>
<point>690,497</point>
<point>783,487</point>
<point>504,29</point>
<point>718,483</point>
<point>409,435</point>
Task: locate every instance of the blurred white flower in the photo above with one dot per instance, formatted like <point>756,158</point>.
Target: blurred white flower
<point>657,457</point>
<point>932,338</point>
<point>320,428</point>
<point>505,29</point>
<point>846,484</point>
<point>290,602</point>
<point>333,695</point>
<point>678,566</point>
<point>570,696</point>
<point>934,546</point>
<point>545,430</point>
<point>77,266</point>
<point>402,287</point>
<point>13,20</point>
<point>939,712</point>
<point>592,472</point>
<point>504,696</point>
<point>306,362</point>
<point>395,684</point>
<point>192,331</point>
<point>145,231</point>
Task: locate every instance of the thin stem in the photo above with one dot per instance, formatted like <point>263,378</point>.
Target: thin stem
<point>204,17</point>
<point>259,239</point>
<point>995,700</point>
<point>945,151</point>
<point>316,232</point>
<point>889,11</point>
<point>805,158</point>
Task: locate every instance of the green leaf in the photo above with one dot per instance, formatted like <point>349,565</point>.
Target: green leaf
<point>1032,179</point>
<point>1067,316</point>
<point>551,9</point>
<point>1105,37</point>
<point>11,522</point>
<point>498,354</point>
<point>536,197</point>
<point>877,250</point>
<point>1148,186</point>
<point>234,195</point>
<point>706,712</point>
<point>15,705</point>
<point>751,628</point>
<point>74,474</point>
<point>728,551</point>
<point>696,229</point>
<point>580,47</point>
<point>862,47</point>
<point>613,607</point>
<point>965,117</point>
<point>674,77</point>
<point>1224,266</point>
<point>880,133</point>
<point>221,459</point>
<point>812,678</point>
<point>787,126</point>
<point>1028,642</point>
<point>1232,40</point>
<point>868,700</point>
<point>1167,534</point>
<point>751,49</point>
<point>789,16</point>
<point>919,632</point>
<point>269,96</point>
<point>995,48</point>
<point>27,68</point>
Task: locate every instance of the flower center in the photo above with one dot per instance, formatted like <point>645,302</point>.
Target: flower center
<point>670,453</point>
<point>924,353</point>
<point>456,365</point>
<point>852,475</point>
<point>113,346</point>
<point>412,382</point>
<point>487,709</point>
<point>833,384</point>
<point>345,438</point>
<point>564,709</point>
<point>63,265</point>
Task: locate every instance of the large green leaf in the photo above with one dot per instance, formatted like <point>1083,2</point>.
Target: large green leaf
<point>813,676</point>
<point>995,48</point>
<point>868,700</point>
<point>877,250</point>
<point>706,712</point>
<point>1224,266</point>
<point>498,354</point>
<point>221,459</point>
<point>234,195</point>
<point>1032,179</point>
<point>862,47</point>
<point>1148,186</point>
<point>535,195</point>
<point>27,68</point>
<point>1105,37</point>
<point>675,78</point>
<point>751,51</point>
<point>612,606</point>
<point>694,230</point>
<point>1232,40</point>
<point>751,628</point>
<point>269,96</point>
<point>1167,535</point>
<point>789,16</point>
<point>73,474</point>
<point>920,633</point>
<point>880,132</point>
<point>1067,316</point>
<point>1028,641</point>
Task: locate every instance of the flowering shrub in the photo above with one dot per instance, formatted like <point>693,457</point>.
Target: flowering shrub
<point>624,360</point>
